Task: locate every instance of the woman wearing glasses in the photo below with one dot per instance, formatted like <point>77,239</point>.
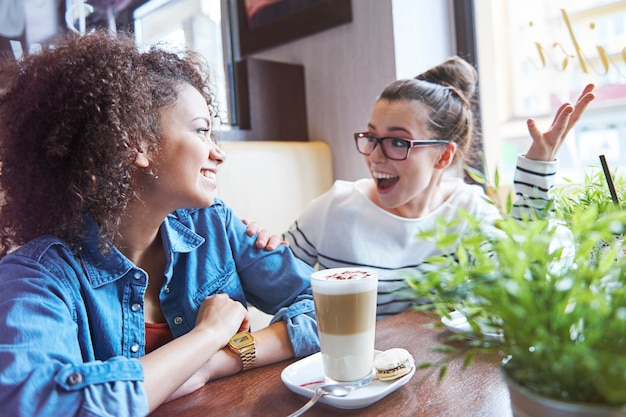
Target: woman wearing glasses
<point>418,129</point>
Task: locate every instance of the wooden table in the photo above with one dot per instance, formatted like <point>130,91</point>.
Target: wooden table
<point>477,391</point>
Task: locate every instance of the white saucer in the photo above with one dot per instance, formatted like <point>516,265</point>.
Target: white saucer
<point>304,376</point>
<point>457,322</point>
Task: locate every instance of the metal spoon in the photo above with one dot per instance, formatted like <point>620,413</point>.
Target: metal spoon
<point>336,390</point>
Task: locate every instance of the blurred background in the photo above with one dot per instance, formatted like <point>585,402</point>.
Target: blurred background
<point>318,65</point>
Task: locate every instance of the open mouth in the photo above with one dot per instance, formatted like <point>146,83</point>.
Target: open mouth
<point>208,174</point>
<point>384,181</point>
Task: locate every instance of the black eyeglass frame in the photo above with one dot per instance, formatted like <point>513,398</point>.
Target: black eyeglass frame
<point>411,143</point>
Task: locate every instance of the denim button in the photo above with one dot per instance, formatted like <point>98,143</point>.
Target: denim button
<point>74,379</point>
<point>166,290</point>
<point>134,348</point>
<point>178,320</point>
<point>135,307</point>
<point>137,275</point>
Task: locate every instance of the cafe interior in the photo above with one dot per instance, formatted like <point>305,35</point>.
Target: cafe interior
<point>295,82</point>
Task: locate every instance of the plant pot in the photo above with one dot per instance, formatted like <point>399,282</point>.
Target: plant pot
<point>525,403</point>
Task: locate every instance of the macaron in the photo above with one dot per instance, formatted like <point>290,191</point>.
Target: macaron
<point>393,363</point>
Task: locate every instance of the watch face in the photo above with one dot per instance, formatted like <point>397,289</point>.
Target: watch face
<point>241,339</point>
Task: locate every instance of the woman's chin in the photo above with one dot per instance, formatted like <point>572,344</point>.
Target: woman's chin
<point>387,203</point>
<point>205,201</point>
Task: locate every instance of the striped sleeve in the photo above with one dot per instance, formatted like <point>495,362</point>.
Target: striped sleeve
<point>300,244</point>
<point>533,181</point>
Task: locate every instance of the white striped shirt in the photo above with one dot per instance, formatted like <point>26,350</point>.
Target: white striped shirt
<point>344,228</point>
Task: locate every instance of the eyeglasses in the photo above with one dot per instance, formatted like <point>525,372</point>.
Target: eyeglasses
<point>393,148</point>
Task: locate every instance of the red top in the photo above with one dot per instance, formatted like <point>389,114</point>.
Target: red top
<point>157,334</point>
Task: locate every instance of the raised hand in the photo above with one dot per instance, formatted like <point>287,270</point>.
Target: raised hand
<point>546,145</point>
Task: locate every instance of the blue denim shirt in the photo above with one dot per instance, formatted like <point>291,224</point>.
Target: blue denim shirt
<point>73,324</point>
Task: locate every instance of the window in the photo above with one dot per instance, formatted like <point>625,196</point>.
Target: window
<point>193,24</point>
<point>175,24</point>
<point>535,54</point>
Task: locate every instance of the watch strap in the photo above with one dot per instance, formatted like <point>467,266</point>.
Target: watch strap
<point>248,356</point>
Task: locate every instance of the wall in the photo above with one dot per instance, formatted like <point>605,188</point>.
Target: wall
<point>348,66</point>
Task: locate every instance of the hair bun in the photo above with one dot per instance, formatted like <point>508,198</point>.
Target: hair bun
<point>455,73</point>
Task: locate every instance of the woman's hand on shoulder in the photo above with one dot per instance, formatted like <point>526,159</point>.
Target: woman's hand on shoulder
<point>545,146</point>
<point>264,239</point>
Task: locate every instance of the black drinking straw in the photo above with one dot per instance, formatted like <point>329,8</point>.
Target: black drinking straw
<point>609,180</point>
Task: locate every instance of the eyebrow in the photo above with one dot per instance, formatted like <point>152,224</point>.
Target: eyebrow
<point>208,121</point>
<point>394,129</point>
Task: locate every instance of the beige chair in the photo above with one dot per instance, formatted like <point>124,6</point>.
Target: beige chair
<point>271,182</point>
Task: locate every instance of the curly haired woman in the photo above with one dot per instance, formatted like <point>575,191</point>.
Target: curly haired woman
<point>123,278</point>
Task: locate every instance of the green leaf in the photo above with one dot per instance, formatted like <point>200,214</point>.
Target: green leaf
<point>443,371</point>
<point>469,359</point>
<point>424,365</point>
<point>444,349</point>
<point>475,175</point>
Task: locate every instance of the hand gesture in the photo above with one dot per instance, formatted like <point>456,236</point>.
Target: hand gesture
<point>545,146</point>
<point>264,240</point>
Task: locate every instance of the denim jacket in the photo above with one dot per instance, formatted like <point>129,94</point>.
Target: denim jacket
<point>72,324</point>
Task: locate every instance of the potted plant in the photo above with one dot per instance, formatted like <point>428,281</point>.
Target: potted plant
<point>569,197</point>
<point>559,303</point>
<point>593,191</point>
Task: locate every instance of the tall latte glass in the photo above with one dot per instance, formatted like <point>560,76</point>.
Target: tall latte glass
<point>345,307</point>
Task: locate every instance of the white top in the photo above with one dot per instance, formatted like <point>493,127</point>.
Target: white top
<point>344,228</point>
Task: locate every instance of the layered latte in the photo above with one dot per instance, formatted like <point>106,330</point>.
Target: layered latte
<point>345,307</point>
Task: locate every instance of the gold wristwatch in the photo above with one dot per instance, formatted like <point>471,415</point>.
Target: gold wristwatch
<point>243,345</point>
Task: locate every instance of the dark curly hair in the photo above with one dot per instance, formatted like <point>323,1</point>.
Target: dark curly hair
<point>73,117</point>
<point>448,90</point>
